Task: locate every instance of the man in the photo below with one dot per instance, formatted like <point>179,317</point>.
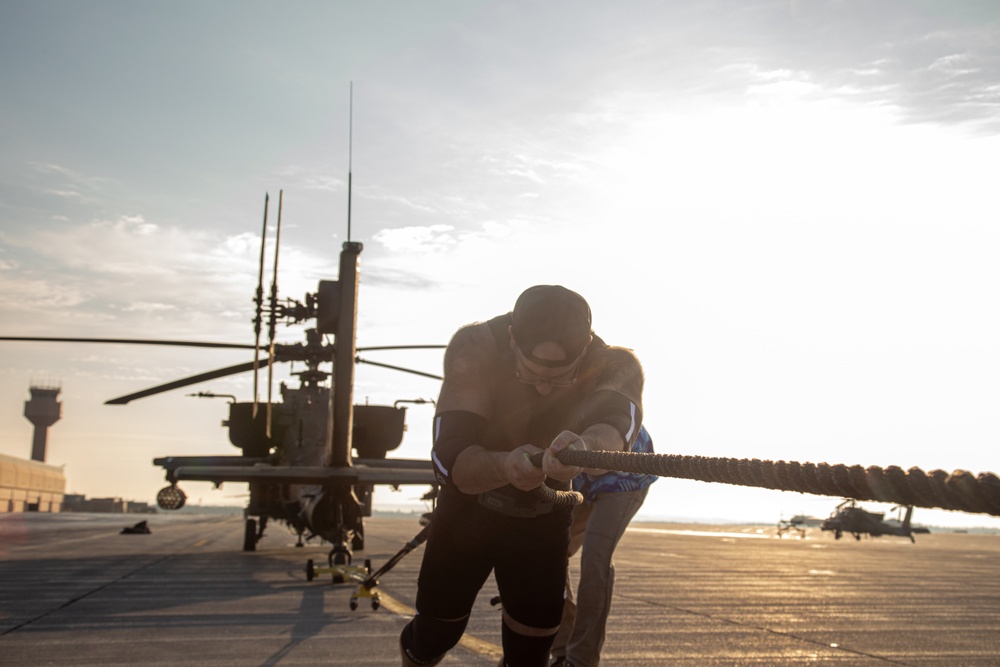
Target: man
<point>610,502</point>
<point>534,380</point>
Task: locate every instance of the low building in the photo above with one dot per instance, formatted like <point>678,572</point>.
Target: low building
<point>80,503</point>
<point>30,486</point>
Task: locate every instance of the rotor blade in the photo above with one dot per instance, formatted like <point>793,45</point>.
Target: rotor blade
<point>183,343</point>
<point>176,384</point>
<point>397,368</point>
<point>270,384</point>
<point>273,302</point>
<point>401,347</point>
<point>350,157</point>
<point>259,303</point>
<point>130,341</point>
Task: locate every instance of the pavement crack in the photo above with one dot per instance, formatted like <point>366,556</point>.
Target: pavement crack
<point>777,633</point>
<point>70,602</point>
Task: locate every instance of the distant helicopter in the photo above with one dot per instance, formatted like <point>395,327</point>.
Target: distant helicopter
<point>297,453</point>
<point>797,523</point>
<point>849,518</point>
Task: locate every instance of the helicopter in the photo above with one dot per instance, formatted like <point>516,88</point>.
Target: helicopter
<point>298,454</point>
<point>797,523</point>
<point>849,518</point>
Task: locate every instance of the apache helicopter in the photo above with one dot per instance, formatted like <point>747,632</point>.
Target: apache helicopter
<point>297,453</point>
<point>849,518</point>
<point>797,523</point>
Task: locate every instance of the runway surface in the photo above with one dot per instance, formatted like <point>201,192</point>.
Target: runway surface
<point>75,592</point>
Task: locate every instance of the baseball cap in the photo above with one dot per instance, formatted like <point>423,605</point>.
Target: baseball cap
<point>551,313</point>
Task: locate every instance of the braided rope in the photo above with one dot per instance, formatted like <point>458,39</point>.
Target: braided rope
<point>937,489</point>
<point>545,494</point>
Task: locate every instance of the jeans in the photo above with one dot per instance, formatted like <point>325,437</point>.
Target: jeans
<point>597,527</point>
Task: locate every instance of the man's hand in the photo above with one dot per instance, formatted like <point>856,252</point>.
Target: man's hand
<point>520,472</point>
<point>551,465</point>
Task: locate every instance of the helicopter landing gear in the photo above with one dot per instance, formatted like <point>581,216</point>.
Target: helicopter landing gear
<point>342,571</point>
<point>339,566</point>
<point>358,538</point>
<point>339,559</point>
<point>250,535</point>
<point>367,587</point>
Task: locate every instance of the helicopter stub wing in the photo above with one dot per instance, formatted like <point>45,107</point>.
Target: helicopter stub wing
<point>357,474</point>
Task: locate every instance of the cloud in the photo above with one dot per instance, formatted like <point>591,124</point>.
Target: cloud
<point>145,307</point>
<point>59,181</point>
<point>422,240</point>
<point>309,178</point>
<point>934,63</point>
<point>414,204</point>
<point>138,224</point>
<point>954,65</point>
<point>239,244</point>
<point>36,295</point>
<point>126,270</point>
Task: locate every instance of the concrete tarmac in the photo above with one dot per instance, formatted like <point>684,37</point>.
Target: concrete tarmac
<point>74,592</point>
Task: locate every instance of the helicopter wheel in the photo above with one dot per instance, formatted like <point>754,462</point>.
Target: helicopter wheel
<point>250,535</point>
<point>310,570</point>
<point>375,602</point>
<point>354,604</point>
<point>339,555</point>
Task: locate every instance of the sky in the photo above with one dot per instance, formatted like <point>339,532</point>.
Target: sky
<point>786,208</point>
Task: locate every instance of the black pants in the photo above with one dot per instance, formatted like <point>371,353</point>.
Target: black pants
<point>467,542</point>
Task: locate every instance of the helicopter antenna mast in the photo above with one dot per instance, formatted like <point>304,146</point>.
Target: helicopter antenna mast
<point>259,303</point>
<point>273,301</point>
<point>350,157</point>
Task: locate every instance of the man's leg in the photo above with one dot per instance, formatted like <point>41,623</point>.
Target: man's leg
<point>576,532</point>
<point>436,638</point>
<point>454,567</point>
<point>609,517</point>
<point>525,646</point>
<point>531,577</point>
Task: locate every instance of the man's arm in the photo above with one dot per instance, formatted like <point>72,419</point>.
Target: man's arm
<point>612,415</point>
<point>464,408</point>
<point>469,362</point>
<point>477,470</point>
<point>599,437</point>
<point>619,370</point>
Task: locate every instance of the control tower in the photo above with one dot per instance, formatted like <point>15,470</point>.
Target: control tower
<point>43,410</point>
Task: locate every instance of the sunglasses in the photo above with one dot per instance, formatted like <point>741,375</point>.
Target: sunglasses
<point>556,381</point>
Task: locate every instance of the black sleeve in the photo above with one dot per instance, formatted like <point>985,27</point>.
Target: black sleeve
<point>614,409</point>
<point>453,432</point>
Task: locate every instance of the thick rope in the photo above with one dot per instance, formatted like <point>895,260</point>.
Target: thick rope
<point>937,489</point>
<point>545,495</point>
<point>548,496</point>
